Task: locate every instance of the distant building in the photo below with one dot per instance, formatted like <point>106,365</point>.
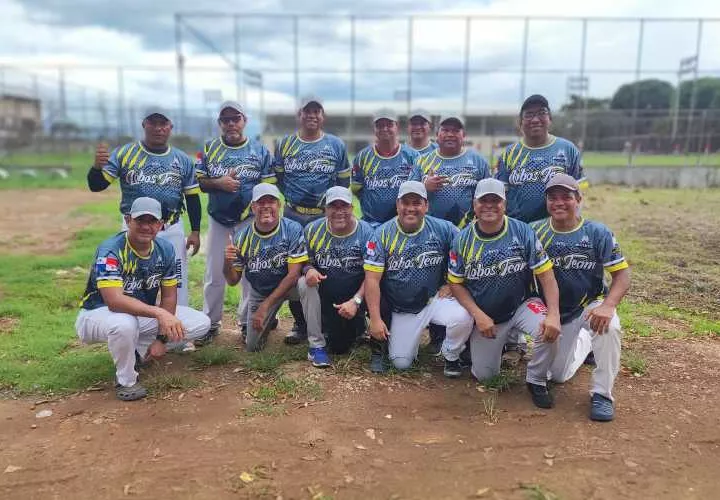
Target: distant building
<point>20,119</point>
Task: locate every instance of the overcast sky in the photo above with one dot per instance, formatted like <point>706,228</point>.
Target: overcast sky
<point>40,34</point>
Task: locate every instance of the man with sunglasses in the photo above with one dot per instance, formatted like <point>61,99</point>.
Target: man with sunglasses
<point>526,166</point>
<point>227,169</point>
<point>152,168</point>
<point>307,164</point>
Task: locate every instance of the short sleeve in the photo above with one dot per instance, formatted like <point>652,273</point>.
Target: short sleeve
<point>342,169</point>
<point>610,253</point>
<point>415,173</point>
<point>111,171</point>
<point>189,179</point>
<point>483,168</point>
<point>267,166</point>
<point>297,249</point>
<point>170,271</point>
<point>358,174</point>
<point>456,262</point>
<point>201,162</point>
<point>501,172</point>
<point>535,254</point>
<point>375,253</point>
<point>108,269</point>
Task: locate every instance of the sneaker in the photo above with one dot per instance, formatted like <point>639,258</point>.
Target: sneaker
<point>590,359</point>
<point>208,337</point>
<point>132,393</point>
<point>274,323</point>
<point>601,408</point>
<point>377,363</point>
<point>319,357</point>
<point>465,359</point>
<point>298,335</point>
<point>452,369</point>
<point>540,396</point>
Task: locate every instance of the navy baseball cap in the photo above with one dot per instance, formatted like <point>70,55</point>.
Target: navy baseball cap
<point>535,101</point>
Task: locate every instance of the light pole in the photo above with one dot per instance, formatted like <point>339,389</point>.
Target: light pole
<point>578,85</point>
<point>687,65</point>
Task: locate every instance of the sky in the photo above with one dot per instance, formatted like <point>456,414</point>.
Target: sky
<point>91,38</point>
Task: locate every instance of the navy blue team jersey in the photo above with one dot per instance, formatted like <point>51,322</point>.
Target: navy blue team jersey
<point>454,200</point>
<point>165,177</point>
<point>376,181</point>
<point>250,163</point>
<point>580,257</point>
<point>264,259</point>
<point>306,170</point>
<point>498,272</point>
<point>414,265</point>
<point>340,258</point>
<point>525,171</point>
<point>116,264</point>
<point>432,146</point>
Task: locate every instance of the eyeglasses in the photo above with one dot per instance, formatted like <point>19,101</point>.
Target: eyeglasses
<point>540,113</point>
<point>231,119</point>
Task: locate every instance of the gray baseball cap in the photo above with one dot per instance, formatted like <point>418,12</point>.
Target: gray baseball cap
<point>265,189</point>
<point>234,105</point>
<point>310,99</point>
<point>563,180</point>
<point>146,206</point>
<point>156,111</point>
<point>385,114</point>
<point>340,193</point>
<point>412,187</point>
<point>454,118</point>
<point>421,113</point>
<point>489,186</point>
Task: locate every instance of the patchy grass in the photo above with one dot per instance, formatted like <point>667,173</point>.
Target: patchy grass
<point>165,383</point>
<point>634,362</point>
<point>214,355</point>
<point>270,361</point>
<point>537,492</point>
<point>503,381</point>
<point>283,388</point>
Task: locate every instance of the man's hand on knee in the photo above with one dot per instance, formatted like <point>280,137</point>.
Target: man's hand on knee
<point>599,318</point>
<point>347,310</point>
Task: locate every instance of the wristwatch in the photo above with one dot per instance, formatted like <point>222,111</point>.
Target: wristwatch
<point>357,299</point>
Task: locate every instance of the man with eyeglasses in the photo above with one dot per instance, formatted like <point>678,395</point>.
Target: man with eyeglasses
<point>526,166</point>
<point>227,169</point>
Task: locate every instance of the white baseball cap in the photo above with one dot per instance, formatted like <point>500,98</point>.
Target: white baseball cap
<point>156,111</point>
<point>385,114</point>
<point>340,193</point>
<point>234,105</point>
<point>265,189</point>
<point>412,187</point>
<point>421,113</point>
<point>310,99</point>
<point>146,206</point>
<point>489,186</point>
<point>455,118</point>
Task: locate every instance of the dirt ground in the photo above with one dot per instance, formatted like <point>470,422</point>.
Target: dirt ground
<point>363,436</point>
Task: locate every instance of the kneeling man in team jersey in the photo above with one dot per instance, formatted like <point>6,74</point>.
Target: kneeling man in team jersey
<point>581,252</point>
<point>119,306</point>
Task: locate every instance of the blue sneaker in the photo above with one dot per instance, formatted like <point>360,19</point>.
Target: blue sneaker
<point>601,408</point>
<point>377,363</point>
<point>319,357</point>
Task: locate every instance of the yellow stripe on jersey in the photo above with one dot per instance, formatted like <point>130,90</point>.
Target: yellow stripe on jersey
<point>170,282</point>
<point>402,247</point>
<point>123,156</point>
<point>372,268</point>
<point>110,283</point>
<point>134,159</point>
<point>455,279</point>
<point>192,190</point>
<point>108,177</point>
<point>246,243</point>
<point>544,268</point>
<point>298,260</point>
<point>617,267</point>
<point>394,243</point>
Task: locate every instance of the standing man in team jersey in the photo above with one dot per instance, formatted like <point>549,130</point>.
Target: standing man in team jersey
<point>151,167</point>
<point>120,304</point>
<point>581,252</point>
<point>420,130</point>
<point>336,248</point>
<point>378,170</point>
<point>271,253</point>
<point>492,265</point>
<point>307,164</point>
<point>526,166</point>
<point>450,172</point>
<point>405,286</point>
<point>228,168</point>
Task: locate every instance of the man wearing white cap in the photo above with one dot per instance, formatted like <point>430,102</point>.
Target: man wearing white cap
<point>492,265</point>
<point>271,253</point>
<point>228,168</point>
<point>581,252</point>
<point>307,164</point>
<point>150,167</point>
<point>336,248</point>
<point>450,172</point>
<point>405,268</point>
<point>119,304</point>
<point>420,130</point>
<point>378,170</point>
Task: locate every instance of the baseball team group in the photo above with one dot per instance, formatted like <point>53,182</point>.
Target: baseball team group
<point>484,260</point>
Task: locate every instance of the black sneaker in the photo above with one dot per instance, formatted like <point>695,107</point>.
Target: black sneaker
<point>208,337</point>
<point>377,363</point>
<point>466,359</point>
<point>274,323</point>
<point>541,397</point>
<point>590,359</point>
<point>452,369</point>
<point>298,335</point>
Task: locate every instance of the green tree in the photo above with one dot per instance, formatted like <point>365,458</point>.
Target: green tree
<point>651,94</point>
<point>707,93</point>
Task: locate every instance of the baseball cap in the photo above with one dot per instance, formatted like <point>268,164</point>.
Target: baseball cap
<point>310,99</point>
<point>234,105</point>
<point>563,180</point>
<point>155,111</point>
<point>265,189</point>
<point>456,118</point>
<point>535,100</point>
<point>410,187</point>
<point>385,114</point>
<point>421,113</point>
<point>336,193</point>
<point>489,186</point>
<point>146,206</point>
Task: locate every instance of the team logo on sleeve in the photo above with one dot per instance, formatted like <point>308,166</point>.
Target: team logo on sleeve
<point>370,247</point>
<point>453,258</point>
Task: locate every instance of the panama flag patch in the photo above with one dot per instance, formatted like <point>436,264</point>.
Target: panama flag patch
<point>371,245</point>
<point>106,264</point>
<point>453,258</point>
